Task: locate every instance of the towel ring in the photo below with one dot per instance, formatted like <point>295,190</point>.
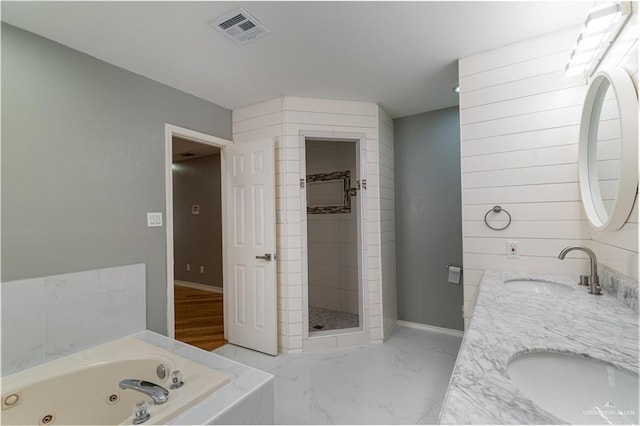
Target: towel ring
<point>497,209</point>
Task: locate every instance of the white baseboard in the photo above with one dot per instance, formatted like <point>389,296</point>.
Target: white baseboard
<point>197,286</point>
<point>431,328</point>
<point>289,351</point>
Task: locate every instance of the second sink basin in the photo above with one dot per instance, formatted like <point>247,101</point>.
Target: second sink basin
<point>575,389</point>
<point>536,286</point>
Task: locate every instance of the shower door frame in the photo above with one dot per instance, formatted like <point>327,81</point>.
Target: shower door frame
<point>359,139</point>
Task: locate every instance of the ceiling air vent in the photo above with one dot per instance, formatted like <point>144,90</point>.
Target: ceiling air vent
<point>240,27</point>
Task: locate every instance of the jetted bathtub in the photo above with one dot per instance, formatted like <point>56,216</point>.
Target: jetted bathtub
<point>84,388</point>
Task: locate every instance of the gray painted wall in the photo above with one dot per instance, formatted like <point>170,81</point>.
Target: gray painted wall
<point>428,217</point>
<point>197,238</point>
<point>83,161</point>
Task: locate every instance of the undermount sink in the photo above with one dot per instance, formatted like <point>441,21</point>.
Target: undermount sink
<point>537,286</point>
<point>575,389</point>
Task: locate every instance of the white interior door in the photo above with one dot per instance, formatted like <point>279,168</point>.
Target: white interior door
<point>250,287</point>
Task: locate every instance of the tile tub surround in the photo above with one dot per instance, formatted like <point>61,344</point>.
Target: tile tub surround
<point>402,381</point>
<point>51,317</point>
<point>248,399</point>
<point>507,322</point>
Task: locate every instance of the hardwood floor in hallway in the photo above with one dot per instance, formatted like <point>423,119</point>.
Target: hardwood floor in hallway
<point>199,318</point>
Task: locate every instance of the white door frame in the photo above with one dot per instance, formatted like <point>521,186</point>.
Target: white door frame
<point>361,160</point>
<point>170,131</point>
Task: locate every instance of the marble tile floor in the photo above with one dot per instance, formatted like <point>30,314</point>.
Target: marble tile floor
<point>402,381</point>
<point>327,319</point>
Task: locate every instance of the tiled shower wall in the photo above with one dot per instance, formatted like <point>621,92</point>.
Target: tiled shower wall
<point>332,237</point>
<point>283,119</point>
<point>520,118</point>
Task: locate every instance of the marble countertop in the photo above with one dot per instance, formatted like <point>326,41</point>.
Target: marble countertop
<point>507,322</point>
<point>245,381</point>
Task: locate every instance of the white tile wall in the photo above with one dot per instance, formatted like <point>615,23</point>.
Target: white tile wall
<point>50,317</point>
<point>283,119</point>
<point>520,119</point>
<point>386,182</point>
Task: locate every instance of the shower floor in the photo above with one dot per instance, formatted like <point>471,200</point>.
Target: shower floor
<point>326,319</point>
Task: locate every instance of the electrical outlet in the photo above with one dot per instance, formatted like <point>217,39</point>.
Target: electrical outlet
<point>513,250</point>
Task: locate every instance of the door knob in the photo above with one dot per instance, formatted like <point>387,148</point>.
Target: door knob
<point>266,257</point>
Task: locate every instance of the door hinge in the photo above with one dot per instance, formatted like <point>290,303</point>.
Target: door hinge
<point>364,184</point>
<point>301,183</point>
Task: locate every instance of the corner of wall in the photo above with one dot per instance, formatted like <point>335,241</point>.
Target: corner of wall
<point>387,222</point>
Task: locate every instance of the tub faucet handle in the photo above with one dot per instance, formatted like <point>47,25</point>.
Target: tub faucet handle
<point>141,413</point>
<point>176,380</point>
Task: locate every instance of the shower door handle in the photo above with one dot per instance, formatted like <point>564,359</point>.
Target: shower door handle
<point>266,257</point>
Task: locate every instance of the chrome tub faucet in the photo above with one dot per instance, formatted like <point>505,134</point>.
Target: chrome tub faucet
<point>592,281</point>
<point>157,393</point>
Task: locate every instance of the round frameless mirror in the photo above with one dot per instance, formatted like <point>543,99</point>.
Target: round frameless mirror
<point>608,150</point>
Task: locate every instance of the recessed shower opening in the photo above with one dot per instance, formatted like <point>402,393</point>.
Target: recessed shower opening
<point>333,235</point>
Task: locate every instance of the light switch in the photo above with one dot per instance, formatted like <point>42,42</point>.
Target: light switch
<point>154,219</point>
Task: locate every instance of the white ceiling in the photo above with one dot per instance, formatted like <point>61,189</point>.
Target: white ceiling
<point>402,55</point>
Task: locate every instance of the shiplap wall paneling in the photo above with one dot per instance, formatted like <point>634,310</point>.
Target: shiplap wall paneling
<point>520,120</point>
<point>619,249</point>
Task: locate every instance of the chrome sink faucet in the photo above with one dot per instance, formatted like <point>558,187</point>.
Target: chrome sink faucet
<point>593,281</point>
<point>157,393</point>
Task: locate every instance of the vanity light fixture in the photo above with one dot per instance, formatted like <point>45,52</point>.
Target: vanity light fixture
<point>601,27</point>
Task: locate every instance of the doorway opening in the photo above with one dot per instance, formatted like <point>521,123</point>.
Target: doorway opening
<point>195,238</point>
<point>197,243</point>
<point>333,236</point>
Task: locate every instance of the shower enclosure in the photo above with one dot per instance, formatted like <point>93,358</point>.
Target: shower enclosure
<point>332,179</point>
